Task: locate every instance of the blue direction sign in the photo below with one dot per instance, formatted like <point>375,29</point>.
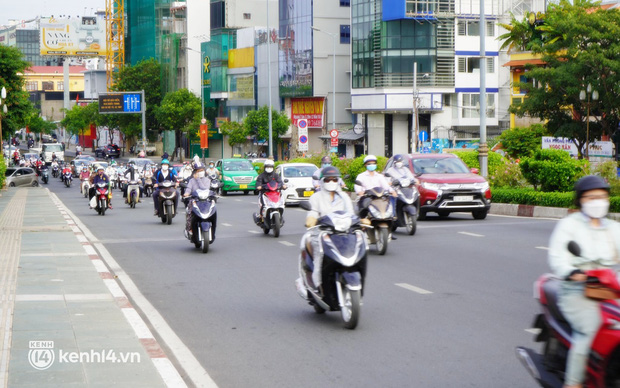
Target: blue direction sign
<point>120,103</point>
<point>423,136</point>
<point>131,103</point>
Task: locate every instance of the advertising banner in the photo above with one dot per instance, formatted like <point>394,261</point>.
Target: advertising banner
<point>204,136</point>
<point>85,36</point>
<point>310,109</point>
<point>597,148</point>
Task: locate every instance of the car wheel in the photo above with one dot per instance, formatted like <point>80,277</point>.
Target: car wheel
<point>421,215</point>
<point>12,184</point>
<point>443,214</point>
<point>35,183</point>
<point>479,214</point>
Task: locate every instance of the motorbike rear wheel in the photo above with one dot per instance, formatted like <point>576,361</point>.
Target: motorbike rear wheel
<point>276,225</point>
<point>382,240</point>
<point>168,214</point>
<point>410,224</point>
<point>204,243</point>
<point>350,310</point>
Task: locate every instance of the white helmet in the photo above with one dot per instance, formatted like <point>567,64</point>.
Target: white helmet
<point>268,163</point>
<point>370,158</point>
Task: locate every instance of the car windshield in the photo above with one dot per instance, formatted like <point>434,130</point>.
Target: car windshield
<point>439,166</point>
<point>141,162</point>
<point>31,156</point>
<point>238,165</point>
<point>299,171</point>
<point>53,148</point>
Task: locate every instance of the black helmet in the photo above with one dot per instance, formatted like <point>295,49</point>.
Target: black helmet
<point>330,171</point>
<point>326,160</point>
<point>398,158</point>
<point>587,183</point>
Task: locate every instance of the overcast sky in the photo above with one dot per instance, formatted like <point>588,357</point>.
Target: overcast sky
<point>29,9</point>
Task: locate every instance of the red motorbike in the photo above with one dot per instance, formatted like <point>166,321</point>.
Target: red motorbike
<point>548,368</point>
<point>101,197</point>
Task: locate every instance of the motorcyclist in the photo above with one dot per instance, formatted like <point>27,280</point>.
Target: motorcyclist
<point>133,175</point>
<point>400,171</point>
<point>202,182</point>
<point>262,181</point>
<point>65,169</point>
<point>599,240</point>
<point>78,149</point>
<point>370,179</point>
<point>54,157</point>
<point>186,171</point>
<point>328,200</point>
<point>211,171</point>
<point>16,157</point>
<point>163,174</point>
<point>326,161</point>
<point>98,178</point>
<point>84,175</point>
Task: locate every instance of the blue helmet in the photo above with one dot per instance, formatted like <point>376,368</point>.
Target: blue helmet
<point>165,161</point>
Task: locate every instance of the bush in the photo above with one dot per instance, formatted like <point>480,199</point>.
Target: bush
<point>553,170</point>
<point>354,167</point>
<point>508,175</point>
<point>470,158</point>
<point>528,196</point>
<point>2,170</point>
<point>522,142</point>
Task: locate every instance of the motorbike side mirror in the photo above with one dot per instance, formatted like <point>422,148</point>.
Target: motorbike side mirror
<point>285,180</point>
<point>256,168</point>
<point>346,176</point>
<point>358,183</point>
<point>574,248</point>
<point>305,205</point>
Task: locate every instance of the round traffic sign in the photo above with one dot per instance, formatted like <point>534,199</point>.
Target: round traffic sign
<point>302,123</point>
<point>333,133</point>
<point>303,139</point>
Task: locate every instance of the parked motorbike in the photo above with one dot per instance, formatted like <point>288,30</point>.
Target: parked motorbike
<point>85,187</point>
<point>406,205</point>
<point>380,214</point>
<point>133,193</point>
<point>167,193</point>
<point>100,200</point>
<point>345,254</point>
<point>202,206</point>
<point>68,179</point>
<point>45,175</point>
<point>273,211</point>
<point>548,368</point>
<point>55,170</point>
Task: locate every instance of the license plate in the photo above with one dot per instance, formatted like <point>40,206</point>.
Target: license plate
<point>243,186</point>
<point>463,198</point>
<point>308,193</point>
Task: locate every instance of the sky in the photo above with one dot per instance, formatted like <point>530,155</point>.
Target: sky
<point>29,9</point>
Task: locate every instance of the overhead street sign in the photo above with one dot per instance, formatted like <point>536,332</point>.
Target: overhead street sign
<point>120,103</point>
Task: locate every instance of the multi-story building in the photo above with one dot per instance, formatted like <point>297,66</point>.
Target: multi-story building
<point>443,38</point>
<point>26,36</point>
<point>46,86</point>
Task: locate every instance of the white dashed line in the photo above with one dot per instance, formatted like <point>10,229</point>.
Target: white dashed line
<point>543,248</point>
<point>288,244</point>
<point>471,234</point>
<point>225,224</point>
<point>413,288</point>
<point>254,231</point>
<point>533,331</point>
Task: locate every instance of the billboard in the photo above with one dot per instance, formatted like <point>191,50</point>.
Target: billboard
<point>309,109</point>
<point>295,49</point>
<point>602,149</point>
<point>81,36</point>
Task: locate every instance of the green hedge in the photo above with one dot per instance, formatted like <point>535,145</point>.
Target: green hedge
<point>530,196</point>
<point>553,170</point>
<point>470,158</point>
<point>2,171</point>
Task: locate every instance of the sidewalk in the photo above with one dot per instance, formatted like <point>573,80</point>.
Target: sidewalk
<point>64,319</point>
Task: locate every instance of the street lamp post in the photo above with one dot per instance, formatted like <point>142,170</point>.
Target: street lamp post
<point>585,95</point>
<point>202,82</point>
<point>4,111</point>
<point>334,36</point>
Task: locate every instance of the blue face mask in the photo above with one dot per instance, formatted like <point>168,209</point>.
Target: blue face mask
<point>371,167</point>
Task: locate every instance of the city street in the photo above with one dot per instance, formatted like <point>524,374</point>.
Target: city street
<point>443,308</point>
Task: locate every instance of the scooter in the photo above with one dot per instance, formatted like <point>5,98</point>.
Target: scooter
<point>406,205</point>
<point>113,179</point>
<point>101,198</point>
<point>273,210</point>
<point>85,187</point>
<point>167,194</point>
<point>68,179</point>
<point>148,186</point>
<point>548,368</point>
<point>345,256</point>
<point>133,193</point>
<point>380,214</point>
<point>202,206</point>
<point>45,175</point>
<point>55,170</point>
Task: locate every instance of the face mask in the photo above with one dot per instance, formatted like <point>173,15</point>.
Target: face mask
<point>268,169</point>
<point>371,167</point>
<point>325,165</point>
<point>211,166</point>
<point>399,164</point>
<point>596,208</point>
<point>330,186</point>
<point>164,167</point>
<point>201,174</point>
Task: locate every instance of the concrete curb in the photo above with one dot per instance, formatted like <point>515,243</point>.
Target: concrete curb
<point>508,209</point>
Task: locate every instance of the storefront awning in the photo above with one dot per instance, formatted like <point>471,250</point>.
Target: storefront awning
<point>523,62</point>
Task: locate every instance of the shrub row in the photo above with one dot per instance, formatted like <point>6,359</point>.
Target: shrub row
<point>527,196</point>
<point>2,171</point>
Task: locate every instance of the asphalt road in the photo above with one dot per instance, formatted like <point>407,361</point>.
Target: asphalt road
<point>237,310</point>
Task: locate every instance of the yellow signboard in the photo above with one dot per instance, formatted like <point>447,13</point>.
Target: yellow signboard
<point>80,36</point>
<point>243,57</point>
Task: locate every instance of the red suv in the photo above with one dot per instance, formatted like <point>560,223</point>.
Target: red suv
<point>448,185</point>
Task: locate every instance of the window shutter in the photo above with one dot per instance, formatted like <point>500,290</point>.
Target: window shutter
<point>462,65</point>
<point>490,65</point>
<point>462,27</point>
<point>490,29</point>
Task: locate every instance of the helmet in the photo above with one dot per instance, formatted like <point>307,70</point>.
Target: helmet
<point>370,158</point>
<point>587,183</point>
<point>198,166</point>
<point>398,158</point>
<point>269,163</point>
<point>165,161</point>
<point>330,171</point>
<point>326,160</point>
<point>99,167</point>
<point>84,168</point>
<point>113,162</point>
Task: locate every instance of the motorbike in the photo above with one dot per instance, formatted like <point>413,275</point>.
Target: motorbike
<point>380,214</point>
<point>148,186</point>
<point>85,187</point>
<point>133,193</point>
<point>406,205</point>
<point>100,200</point>
<point>55,170</point>
<point>167,193</point>
<point>68,178</point>
<point>45,175</point>
<point>113,175</point>
<point>202,205</point>
<point>273,210</point>
<point>345,256</point>
<point>603,369</point>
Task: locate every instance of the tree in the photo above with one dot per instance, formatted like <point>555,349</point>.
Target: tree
<point>522,35</point>
<point>36,124</point>
<point>236,133</point>
<point>579,44</point>
<point>256,124</point>
<point>520,142</point>
<point>19,107</point>
<point>78,118</point>
<point>180,112</point>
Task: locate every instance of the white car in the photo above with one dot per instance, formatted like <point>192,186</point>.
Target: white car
<point>298,179</point>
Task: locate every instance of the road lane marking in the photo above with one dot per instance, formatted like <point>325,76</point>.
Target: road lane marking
<point>288,244</point>
<point>253,231</point>
<point>238,200</point>
<point>533,331</point>
<point>471,234</point>
<point>225,224</point>
<point>543,248</point>
<point>413,288</point>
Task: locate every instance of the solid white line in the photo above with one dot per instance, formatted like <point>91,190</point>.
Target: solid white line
<point>413,288</point>
<point>533,331</point>
<point>168,372</point>
<point>99,266</point>
<point>132,316</point>
<point>114,288</point>
<point>288,244</point>
<point>543,248</point>
<point>81,238</point>
<point>90,250</point>
<point>195,372</point>
<point>471,234</point>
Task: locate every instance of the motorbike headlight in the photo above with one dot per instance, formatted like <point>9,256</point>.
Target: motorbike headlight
<point>203,194</point>
<point>342,224</point>
<point>229,179</point>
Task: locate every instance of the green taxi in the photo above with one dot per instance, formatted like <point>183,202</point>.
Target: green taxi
<point>237,175</point>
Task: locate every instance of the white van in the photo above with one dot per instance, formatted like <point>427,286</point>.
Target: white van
<point>48,148</point>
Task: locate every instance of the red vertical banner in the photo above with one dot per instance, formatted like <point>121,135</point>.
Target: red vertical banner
<point>204,136</point>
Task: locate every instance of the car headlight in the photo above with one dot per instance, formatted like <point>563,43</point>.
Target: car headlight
<point>227,178</point>
<point>430,186</point>
<point>482,186</point>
